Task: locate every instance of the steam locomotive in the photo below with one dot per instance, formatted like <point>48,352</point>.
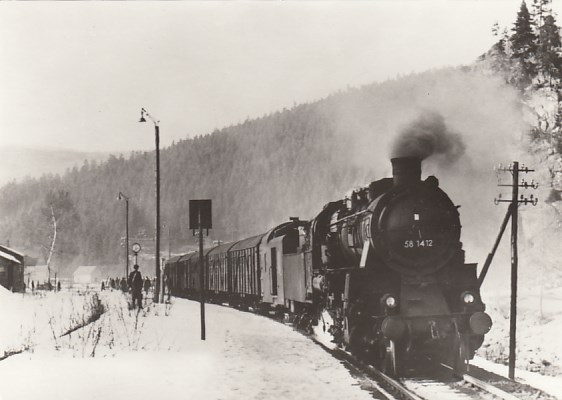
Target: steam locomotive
<point>386,265</point>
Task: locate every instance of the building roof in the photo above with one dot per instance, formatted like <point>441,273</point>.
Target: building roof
<point>10,250</point>
<point>9,257</point>
<point>85,270</point>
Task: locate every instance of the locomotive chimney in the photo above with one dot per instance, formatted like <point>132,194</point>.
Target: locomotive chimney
<point>406,170</point>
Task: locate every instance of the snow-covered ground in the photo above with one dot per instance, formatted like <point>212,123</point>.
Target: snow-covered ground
<point>159,352</point>
<point>538,340</point>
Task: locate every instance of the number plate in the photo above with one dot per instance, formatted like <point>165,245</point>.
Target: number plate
<point>414,244</point>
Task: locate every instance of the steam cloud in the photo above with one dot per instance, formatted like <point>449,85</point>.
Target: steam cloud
<point>427,136</point>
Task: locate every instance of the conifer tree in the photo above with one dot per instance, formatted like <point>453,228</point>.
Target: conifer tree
<point>549,48</point>
<point>523,46</point>
<point>541,8</point>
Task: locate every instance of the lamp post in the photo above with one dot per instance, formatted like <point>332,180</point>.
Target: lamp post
<point>122,196</point>
<point>167,225</point>
<point>157,257</point>
<point>164,278</point>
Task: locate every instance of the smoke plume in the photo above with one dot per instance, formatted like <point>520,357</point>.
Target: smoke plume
<point>424,115</point>
<point>427,136</point>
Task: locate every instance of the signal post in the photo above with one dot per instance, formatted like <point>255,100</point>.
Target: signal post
<point>200,217</point>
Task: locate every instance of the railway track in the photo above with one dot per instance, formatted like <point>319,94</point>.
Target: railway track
<point>485,386</point>
<point>440,384</point>
<point>443,385</point>
<point>379,384</point>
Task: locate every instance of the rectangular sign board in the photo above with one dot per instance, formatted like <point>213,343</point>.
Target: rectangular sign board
<point>200,209</point>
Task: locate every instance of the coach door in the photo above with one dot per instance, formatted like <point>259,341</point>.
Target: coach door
<point>273,274</point>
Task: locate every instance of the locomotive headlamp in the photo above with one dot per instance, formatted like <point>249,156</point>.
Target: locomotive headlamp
<point>467,298</point>
<point>389,301</point>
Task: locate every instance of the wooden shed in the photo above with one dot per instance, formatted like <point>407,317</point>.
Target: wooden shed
<point>11,269</point>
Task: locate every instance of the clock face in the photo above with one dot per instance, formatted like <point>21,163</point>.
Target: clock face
<point>136,247</point>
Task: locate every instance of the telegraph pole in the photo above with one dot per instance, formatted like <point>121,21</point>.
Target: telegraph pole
<point>514,215</point>
<point>514,265</point>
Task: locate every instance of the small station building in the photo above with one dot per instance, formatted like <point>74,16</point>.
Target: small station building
<point>11,269</point>
<point>86,275</point>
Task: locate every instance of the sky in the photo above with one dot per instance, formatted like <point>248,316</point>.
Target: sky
<point>75,75</point>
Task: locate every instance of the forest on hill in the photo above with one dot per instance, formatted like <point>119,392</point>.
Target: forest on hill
<point>290,163</point>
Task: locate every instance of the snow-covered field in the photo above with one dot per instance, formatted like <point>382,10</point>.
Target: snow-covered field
<point>538,340</point>
<point>158,353</point>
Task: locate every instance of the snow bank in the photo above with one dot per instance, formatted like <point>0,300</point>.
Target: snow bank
<point>158,352</point>
<point>28,319</point>
<point>539,344</point>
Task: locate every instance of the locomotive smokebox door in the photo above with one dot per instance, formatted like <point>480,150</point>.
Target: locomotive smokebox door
<point>200,208</point>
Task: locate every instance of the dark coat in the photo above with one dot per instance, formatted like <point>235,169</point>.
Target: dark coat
<point>136,281</point>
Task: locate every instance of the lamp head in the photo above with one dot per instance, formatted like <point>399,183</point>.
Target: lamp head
<point>142,119</point>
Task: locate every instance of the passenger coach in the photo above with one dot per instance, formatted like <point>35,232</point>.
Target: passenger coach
<point>264,271</point>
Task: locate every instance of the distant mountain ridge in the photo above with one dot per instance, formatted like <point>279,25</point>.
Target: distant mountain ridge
<point>17,163</point>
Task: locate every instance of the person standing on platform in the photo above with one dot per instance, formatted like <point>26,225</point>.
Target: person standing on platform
<point>147,285</point>
<point>136,283</point>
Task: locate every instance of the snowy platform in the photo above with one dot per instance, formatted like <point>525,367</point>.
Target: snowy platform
<point>160,354</point>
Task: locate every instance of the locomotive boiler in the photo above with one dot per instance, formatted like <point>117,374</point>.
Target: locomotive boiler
<point>392,273</point>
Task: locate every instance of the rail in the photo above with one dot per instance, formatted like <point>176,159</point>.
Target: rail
<point>485,386</point>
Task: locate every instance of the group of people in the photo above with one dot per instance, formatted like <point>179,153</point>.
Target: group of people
<point>134,282</point>
<point>44,286</point>
<point>137,284</point>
